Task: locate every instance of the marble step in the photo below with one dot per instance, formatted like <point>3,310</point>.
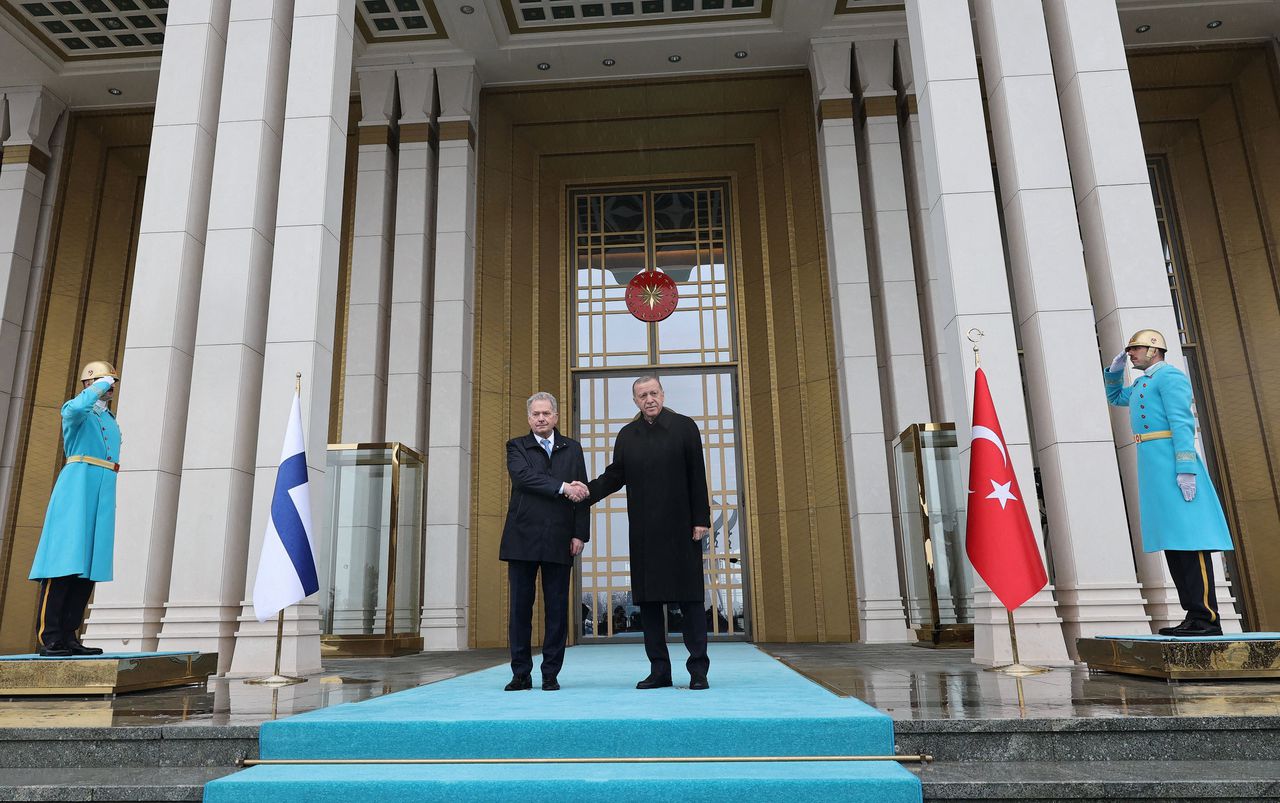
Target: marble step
<point>107,783</point>
<point>1096,739</point>
<point>128,746</point>
<point>1042,781</point>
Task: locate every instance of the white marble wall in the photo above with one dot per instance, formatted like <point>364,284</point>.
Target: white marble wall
<point>302,304</point>
<point>444,611</point>
<point>159,346</point>
<point>364,394</point>
<point>1094,574</point>
<point>212,535</point>
<point>881,617</point>
<point>969,251</point>
<point>409,371</point>
<point>1122,251</point>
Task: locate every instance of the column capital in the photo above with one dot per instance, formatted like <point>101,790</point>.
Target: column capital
<point>906,77</point>
<point>459,88</point>
<point>874,67</point>
<point>31,114</point>
<point>830,66</point>
<point>377,97</point>
<point>417,88</point>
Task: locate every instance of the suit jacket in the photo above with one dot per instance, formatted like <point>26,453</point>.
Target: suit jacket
<point>541,522</point>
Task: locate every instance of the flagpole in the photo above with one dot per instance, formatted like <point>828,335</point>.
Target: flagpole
<point>1017,668</point>
<point>276,679</point>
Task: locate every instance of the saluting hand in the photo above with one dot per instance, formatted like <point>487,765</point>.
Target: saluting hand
<point>1118,363</point>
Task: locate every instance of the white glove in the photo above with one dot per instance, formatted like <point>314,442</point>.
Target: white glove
<point>1118,363</point>
<point>110,380</point>
<point>1187,482</point>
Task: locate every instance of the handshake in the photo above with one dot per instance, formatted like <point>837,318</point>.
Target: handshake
<point>576,491</point>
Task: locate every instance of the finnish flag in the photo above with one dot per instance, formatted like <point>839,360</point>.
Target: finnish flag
<point>287,567</point>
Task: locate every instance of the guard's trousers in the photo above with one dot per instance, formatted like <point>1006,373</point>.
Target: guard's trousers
<point>1192,572</point>
<point>61,613</point>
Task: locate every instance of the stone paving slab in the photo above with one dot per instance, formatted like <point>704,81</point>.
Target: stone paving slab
<point>1102,780</point>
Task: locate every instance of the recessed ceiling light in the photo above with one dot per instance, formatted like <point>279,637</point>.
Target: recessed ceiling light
<point>741,54</point>
<point>1143,28</point>
<point>1214,24</point>
<point>542,65</point>
<point>467,9</point>
<point>673,59</point>
<point>114,91</point>
<point>608,62</point>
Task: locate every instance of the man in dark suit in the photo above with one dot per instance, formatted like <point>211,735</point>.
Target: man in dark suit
<point>546,528</point>
<point>658,457</point>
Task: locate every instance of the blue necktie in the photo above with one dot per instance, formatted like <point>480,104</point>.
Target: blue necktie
<point>546,445</point>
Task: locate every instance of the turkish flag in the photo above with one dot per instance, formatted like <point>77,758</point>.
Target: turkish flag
<point>999,540</point>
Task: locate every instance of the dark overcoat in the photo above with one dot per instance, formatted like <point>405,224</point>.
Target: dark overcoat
<point>541,522</point>
<point>662,466</point>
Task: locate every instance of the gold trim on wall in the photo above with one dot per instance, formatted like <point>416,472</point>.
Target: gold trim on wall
<point>26,155</point>
<point>759,130</point>
<point>835,109</point>
<point>451,130</point>
<point>880,106</point>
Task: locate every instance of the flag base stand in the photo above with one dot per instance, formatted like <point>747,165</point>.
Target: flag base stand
<point>1017,668</point>
<point>276,679</point>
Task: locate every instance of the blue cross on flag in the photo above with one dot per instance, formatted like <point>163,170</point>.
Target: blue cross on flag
<point>287,567</point>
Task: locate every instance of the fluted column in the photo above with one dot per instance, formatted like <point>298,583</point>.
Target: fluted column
<point>409,378</point>
<point>212,536</point>
<point>364,397</point>
<point>156,374</point>
<point>881,617</point>
<point>968,247</point>
<point>1098,591</point>
<point>36,146</point>
<point>889,240</point>
<point>1123,256</point>
<point>303,300</point>
<point>444,611</point>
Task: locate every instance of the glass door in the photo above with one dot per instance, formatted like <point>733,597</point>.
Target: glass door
<point>683,232</point>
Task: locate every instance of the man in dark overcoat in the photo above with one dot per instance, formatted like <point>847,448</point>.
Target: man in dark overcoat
<point>545,530</point>
<point>658,457</point>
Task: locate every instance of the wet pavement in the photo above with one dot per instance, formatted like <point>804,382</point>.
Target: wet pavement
<point>906,682</point>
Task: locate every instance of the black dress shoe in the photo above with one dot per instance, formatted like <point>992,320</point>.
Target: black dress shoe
<point>698,683</point>
<point>550,684</point>
<point>1170,631</point>
<point>78,648</point>
<point>519,683</point>
<point>1196,628</point>
<point>54,650</point>
<point>652,682</point>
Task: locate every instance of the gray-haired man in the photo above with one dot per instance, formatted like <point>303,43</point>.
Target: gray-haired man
<point>546,528</point>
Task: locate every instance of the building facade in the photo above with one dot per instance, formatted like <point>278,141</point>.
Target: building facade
<point>431,210</point>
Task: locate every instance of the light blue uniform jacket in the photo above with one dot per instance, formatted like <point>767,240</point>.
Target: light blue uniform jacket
<point>1160,399</point>
<point>80,524</point>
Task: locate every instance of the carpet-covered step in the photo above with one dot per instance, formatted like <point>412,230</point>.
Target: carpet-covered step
<point>1040,781</point>
<point>880,781</point>
<point>756,706</point>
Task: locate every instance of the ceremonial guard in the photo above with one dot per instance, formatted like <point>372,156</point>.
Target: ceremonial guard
<point>1178,506</point>
<point>79,525</point>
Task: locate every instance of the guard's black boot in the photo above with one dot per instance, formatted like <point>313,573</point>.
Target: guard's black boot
<point>1198,628</point>
<point>78,648</point>
<point>54,650</point>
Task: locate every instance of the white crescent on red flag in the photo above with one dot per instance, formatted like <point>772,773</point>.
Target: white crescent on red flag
<point>998,536</point>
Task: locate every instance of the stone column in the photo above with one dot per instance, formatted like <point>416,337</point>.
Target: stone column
<point>303,300</point>
<point>44,145</point>
<point>156,374</point>
<point>935,302</point>
<point>889,240</point>
<point>1098,591</point>
<point>1122,251</point>
<point>444,611</point>
<point>970,255</point>
<point>212,536</point>
<point>409,378</point>
<point>881,617</point>
<point>364,397</point>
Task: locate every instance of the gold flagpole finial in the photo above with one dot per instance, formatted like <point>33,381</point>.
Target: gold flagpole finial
<point>973,336</point>
<point>297,383</point>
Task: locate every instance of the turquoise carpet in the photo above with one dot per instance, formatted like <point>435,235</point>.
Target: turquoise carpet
<point>756,706</point>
